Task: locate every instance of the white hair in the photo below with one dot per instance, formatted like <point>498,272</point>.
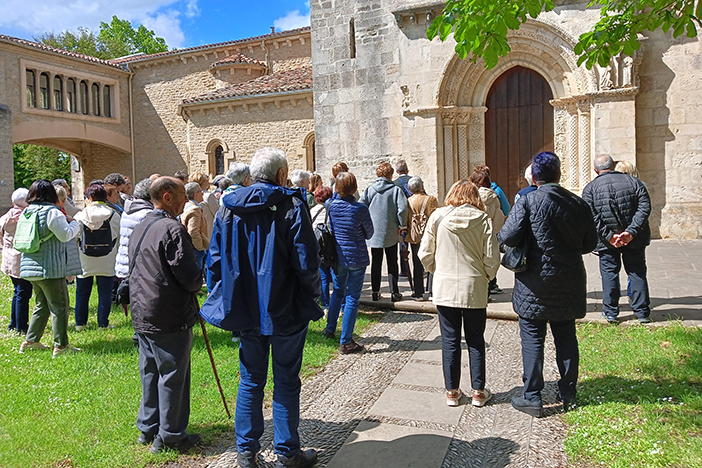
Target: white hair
<point>266,163</point>
<point>191,188</point>
<point>527,175</point>
<point>19,197</point>
<point>415,184</point>
<point>298,175</point>
<point>238,172</point>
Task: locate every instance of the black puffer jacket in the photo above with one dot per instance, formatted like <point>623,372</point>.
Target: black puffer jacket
<point>165,278</point>
<point>559,229</point>
<point>619,202</point>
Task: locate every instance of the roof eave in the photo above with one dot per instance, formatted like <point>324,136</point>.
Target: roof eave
<point>252,97</point>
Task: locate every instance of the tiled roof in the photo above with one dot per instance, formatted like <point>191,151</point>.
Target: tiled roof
<point>211,46</point>
<point>66,53</point>
<point>297,79</point>
<point>238,58</point>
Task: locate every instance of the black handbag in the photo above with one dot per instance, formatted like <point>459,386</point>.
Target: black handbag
<point>122,293</point>
<point>515,258</point>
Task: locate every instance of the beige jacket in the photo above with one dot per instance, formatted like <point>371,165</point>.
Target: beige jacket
<point>194,221</point>
<point>492,208</point>
<point>462,252</point>
<point>414,205</point>
<point>209,206</point>
<point>10,257</point>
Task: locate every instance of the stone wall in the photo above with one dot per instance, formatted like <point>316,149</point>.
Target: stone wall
<point>161,136</point>
<point>7,183</point>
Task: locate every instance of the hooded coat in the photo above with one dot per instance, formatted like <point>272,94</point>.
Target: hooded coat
<point>134,211</point>
<point>263,261</point>
<point>460,249</point>
<point>388,210</point>
<point>10,257</point>
<point>93,216</point>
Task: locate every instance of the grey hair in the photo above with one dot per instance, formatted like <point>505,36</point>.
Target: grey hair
<point>401,167</point>
<point>191,188</point>
<point>527,175</point>
<point>225,182</point>
<point>267,162</point>
<point>61,193</point>
<point>141,189</point>
<point>415,184</point>
<point>60,182</point>
<point>298,175</point>
<point>19,197</point>
<point>238,172</point>
<point>604,162</point>
<point>115,179</point>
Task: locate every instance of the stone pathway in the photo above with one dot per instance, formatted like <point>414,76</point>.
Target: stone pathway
<point>387,407</point>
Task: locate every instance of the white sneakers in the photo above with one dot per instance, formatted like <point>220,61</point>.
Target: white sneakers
<point>480,397</point>
<point>31,345</point>
<point>453,397</point>
<point>64,350</point>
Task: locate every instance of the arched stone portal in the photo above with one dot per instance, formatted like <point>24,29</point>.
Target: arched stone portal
<point>577,94</point>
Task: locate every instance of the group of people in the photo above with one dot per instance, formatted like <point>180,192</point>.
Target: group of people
<point>254,239</point>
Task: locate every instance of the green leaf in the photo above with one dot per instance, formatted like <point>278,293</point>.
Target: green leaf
<point>691,29</point>
<point>433,29</point>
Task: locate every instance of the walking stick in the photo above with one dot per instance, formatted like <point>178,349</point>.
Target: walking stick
<point>214,369</point>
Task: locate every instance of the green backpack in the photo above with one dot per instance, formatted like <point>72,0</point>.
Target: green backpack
<point>27,239</point>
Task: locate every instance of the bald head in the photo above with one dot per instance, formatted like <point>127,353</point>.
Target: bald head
<point>603,163</point>
<point>168,193</point>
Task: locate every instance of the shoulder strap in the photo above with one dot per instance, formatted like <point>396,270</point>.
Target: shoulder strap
<point>317,213</point>
<point>136,251</point>
<point>424,203</point>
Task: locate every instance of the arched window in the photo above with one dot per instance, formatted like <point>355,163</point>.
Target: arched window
<point>44,91</point>
<point>84,97</point>
<point>106,99</point>
<point>58,93</point>
<point>31,90</point>
<point>71,95</point>
<point>95,96</point>
<point>219,160</point>
<point>310,157</point>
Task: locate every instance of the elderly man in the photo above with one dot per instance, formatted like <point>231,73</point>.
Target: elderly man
<point>264,261</point>
<point>301,179</point>
<point>240,175</point>
<point>621,206</point>
<point>163,287</point>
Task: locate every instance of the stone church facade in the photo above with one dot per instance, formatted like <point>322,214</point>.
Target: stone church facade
<point>384,91</point>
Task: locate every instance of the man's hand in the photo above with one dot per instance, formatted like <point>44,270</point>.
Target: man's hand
<point>402,231</point>
<point>621,239</point>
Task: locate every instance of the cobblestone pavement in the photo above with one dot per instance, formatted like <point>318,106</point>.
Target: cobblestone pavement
<point>387,407</point>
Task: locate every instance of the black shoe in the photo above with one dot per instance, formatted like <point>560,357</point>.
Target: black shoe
<point>376,296</point>
<point>569,404</point>
<point>301,459</point>
<point>327,333</point>
<point>145,439</point>
<point>351,347</point>
<point>495,290</point>
<point>395,297</point>
<point>532,408</point>
<point>247,459</point>
<point>190,441</point>
<point>645,320</point>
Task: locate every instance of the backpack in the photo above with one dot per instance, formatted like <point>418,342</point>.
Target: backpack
<point>327,243</point>
<point>418,223</point>
<point>27,239</point>
<point>98,242</point>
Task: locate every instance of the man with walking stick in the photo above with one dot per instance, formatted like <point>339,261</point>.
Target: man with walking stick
<point>164,281</point>
<point>264,265</point>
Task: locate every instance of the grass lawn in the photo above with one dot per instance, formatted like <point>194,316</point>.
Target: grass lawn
<point>80,410</point>
<point>640,396</point>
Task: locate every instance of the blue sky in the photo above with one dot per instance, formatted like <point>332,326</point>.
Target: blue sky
<point>183,23</point>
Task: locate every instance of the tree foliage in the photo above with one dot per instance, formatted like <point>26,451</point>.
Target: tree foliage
<point>115,39</point>
<point>480,26</point>
<point>33,162</point>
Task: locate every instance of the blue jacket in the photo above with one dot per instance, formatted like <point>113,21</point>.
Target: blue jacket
<point>351,225</point>
<point>263,261</point>
<point>558,228</point>
<point>504,203</point>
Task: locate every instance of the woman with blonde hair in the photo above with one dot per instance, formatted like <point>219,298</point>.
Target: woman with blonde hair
<point>626,167</point>
<point>460,249</point>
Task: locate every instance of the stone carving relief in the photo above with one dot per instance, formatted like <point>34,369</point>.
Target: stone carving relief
<point>619,73</point>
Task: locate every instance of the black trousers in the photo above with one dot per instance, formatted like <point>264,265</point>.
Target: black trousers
<point>417,272</point>
<point>533,334</point>
<point>473,320</point>
<point>377,267</point>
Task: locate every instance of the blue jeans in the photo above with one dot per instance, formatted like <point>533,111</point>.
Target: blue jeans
<point>84,286</point>
<point>19,320</point>
<point>348,284</point>
<point>201,260</point>
<point>325,276</point>
<point>635,266</point>
<point>286,351</point>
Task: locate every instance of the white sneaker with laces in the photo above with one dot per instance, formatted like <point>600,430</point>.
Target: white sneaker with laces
<point>453,397</point>
<point>480,397</point>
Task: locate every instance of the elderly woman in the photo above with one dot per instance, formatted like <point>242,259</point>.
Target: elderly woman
<point>558,228</point>
<point>47,269</point>
<point>99,268</point>
<point>351,224</point>
<point>420,207</point>
<point>388,209</point>
<point>209,204</point>
<point>194,221</point>
<point>19,318</point>
<point>301,179</point>
<point>318,213</point>
<point>459,247</point>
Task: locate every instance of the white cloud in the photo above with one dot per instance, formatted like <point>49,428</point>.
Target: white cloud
<point>59,15</point>
<point>293,20</point>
